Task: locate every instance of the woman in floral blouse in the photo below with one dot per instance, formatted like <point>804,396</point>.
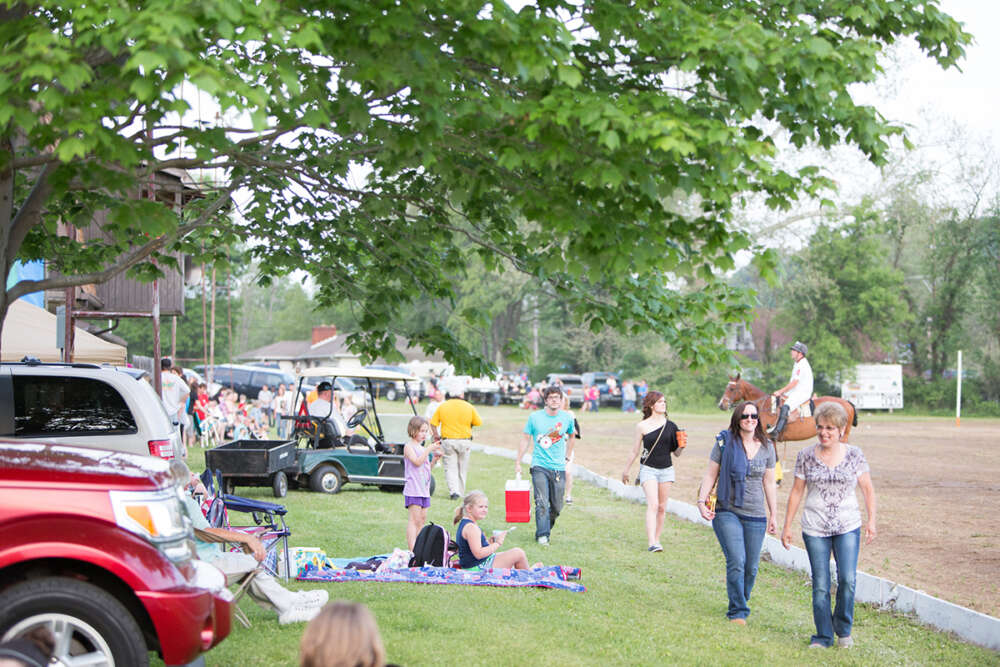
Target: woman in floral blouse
<point>828,473</point>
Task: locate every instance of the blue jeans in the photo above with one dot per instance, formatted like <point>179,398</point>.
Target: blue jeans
<point>548,486</point>
<point>845,552</point>
<point>740,538</point>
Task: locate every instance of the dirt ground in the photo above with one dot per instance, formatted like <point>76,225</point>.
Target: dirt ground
<point>932,481</point>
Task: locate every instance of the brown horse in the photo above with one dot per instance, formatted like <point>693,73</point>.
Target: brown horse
<point>797,428</point>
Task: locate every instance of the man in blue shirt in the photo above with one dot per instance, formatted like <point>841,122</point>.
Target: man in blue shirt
<point>550,432</point>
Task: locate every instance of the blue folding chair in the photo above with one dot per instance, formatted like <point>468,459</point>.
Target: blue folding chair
<point>269,521</point>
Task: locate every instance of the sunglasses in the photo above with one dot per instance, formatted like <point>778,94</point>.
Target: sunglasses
<point>749,416</point>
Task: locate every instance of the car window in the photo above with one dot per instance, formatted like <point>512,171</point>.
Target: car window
<point>53,406</point>
<point>231,376</point>
<point>272,380</point>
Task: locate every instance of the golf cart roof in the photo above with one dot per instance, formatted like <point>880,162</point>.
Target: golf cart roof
<point>366,373</point>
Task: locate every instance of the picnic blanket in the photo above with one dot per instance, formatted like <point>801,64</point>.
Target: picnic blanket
<point>553,576</point>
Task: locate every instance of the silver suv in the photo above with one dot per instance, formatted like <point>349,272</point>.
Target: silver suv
<point>84,405</point>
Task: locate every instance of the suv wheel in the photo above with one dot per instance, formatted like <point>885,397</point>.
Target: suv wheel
<point>325,479</point>
<point>89,625</point>
<point>391,394</point>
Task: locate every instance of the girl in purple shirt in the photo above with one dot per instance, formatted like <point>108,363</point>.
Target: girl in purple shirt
<point>417,462</point>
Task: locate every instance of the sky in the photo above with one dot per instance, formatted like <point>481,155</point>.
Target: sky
<point>970,96</point>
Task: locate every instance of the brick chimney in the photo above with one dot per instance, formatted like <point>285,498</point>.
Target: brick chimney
<point>323,332</point>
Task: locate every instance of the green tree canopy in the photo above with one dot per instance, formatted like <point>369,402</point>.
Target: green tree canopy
<point>843,297</point>
<point>379,140</point>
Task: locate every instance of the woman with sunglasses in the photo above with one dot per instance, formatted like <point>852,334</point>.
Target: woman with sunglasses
<point>742,461</point>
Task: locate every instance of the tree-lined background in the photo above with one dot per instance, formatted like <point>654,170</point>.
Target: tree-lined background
<point>552,186</point>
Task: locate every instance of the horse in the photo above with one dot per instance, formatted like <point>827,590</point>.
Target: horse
<point>801,428</point>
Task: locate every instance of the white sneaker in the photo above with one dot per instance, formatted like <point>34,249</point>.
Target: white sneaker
<point>845,642</point>
<point>298,614</point>
<point>544,539</point>
<point>316,598</point>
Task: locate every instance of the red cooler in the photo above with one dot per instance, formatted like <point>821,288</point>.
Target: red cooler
<point>517,499</point>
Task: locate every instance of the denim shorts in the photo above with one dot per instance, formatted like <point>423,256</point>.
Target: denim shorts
<point>419,501</point>
<point>661,475</point>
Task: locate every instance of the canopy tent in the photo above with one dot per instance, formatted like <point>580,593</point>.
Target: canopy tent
<point>31,331</point>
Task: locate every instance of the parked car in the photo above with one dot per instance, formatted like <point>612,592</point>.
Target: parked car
<point>96,547</point>
<point>190,374</point>
<point>571,383</point>
<point>84,405</point>
<point>600,378</point>
<point>248,380</point>
<point>394,390</point>
<point>485,390</point>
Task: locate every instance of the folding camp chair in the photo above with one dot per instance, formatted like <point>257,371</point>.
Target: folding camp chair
<point>269,522</point>
<point>242,580</point>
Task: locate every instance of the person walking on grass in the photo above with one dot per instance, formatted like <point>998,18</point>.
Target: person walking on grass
<point>742,462</point>
<point>456,417</point>
<point>417,463</point>
<point>828,473</point>
<point>550,433</point>
<point>656,436</point>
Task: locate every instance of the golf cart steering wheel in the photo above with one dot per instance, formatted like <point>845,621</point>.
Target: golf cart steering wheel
<point>357,418</point>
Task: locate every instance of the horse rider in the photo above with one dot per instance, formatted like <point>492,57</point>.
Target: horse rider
<point>798,390</point>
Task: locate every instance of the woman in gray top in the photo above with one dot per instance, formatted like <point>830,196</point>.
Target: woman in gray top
<point>742,461</point>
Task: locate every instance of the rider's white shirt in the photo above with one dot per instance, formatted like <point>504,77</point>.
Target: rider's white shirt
<point>802,391</point>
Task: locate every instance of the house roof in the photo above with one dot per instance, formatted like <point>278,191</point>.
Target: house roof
<point>331,348</point>
<point>296,350</point>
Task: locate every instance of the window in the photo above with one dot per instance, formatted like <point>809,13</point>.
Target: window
<point>272,380</point>
<point>58,406</point>
<point>230,377</point>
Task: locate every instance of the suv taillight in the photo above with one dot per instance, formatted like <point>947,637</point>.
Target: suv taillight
<point>162,448</point>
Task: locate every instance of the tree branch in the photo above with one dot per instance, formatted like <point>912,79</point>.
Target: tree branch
<point>30,213</point>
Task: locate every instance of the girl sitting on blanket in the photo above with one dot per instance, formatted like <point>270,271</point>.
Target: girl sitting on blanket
<point>475,552</point>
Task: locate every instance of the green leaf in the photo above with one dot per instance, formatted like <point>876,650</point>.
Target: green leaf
<point>70,148</point>
<point>569,75</point>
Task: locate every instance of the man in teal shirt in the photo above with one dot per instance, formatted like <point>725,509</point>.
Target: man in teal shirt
<point>550,432</point>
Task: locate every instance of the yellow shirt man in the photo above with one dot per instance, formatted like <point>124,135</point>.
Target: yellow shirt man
<point>456,417</point>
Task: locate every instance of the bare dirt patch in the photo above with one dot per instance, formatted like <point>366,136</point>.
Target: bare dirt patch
<point>936,486</point>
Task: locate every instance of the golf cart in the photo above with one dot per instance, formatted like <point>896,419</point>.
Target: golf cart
<point>325,451</point>
<point>368,451</point>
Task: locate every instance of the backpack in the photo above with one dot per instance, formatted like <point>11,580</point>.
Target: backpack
<point>432,546</point>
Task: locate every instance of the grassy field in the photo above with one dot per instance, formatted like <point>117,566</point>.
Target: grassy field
<point>639,608</point>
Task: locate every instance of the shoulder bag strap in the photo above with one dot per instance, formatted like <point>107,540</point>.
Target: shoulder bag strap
<point>646,454</point>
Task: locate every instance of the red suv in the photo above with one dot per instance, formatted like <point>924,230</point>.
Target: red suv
<point>95,545</point>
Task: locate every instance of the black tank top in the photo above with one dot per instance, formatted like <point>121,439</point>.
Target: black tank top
<point>660,456</point>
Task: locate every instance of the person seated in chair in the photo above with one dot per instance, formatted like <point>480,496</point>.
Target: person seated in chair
<point>798,390</point>
<point>291,606</point>
<point>334,431</point>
